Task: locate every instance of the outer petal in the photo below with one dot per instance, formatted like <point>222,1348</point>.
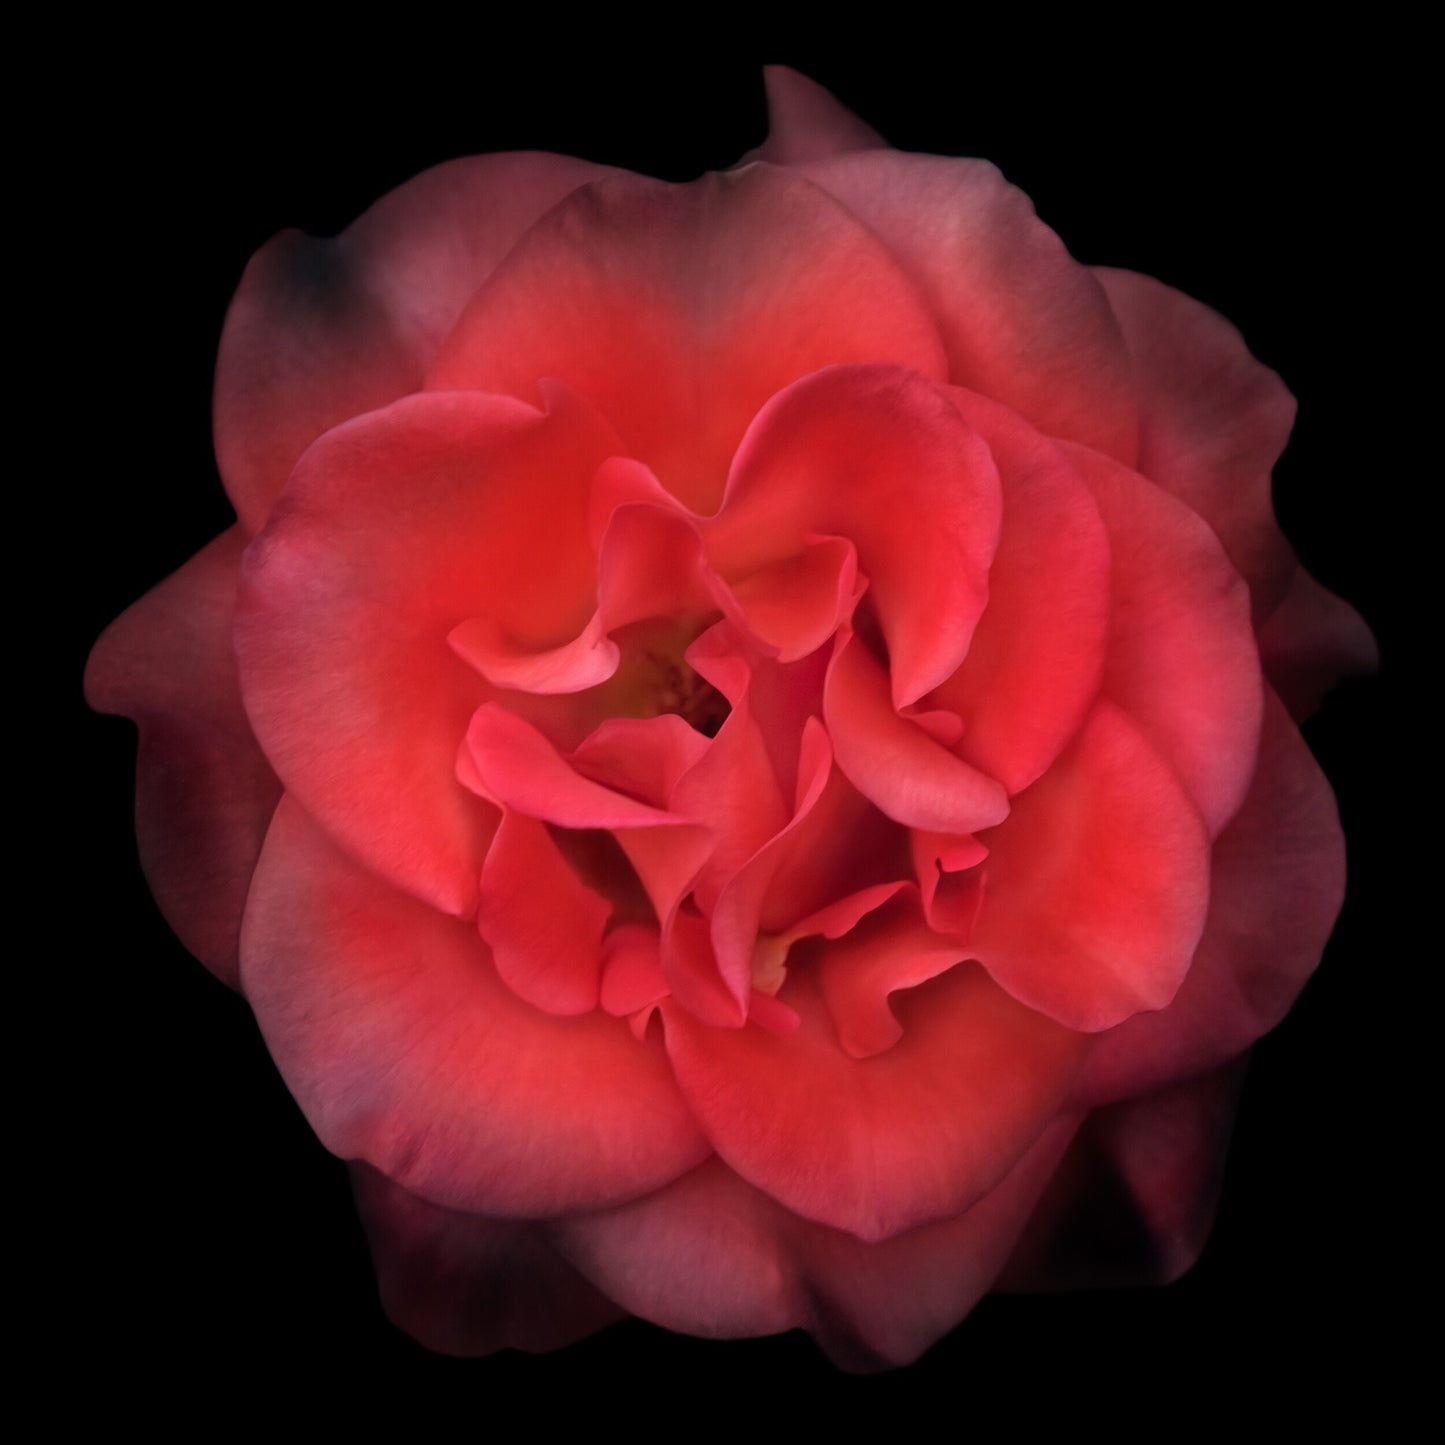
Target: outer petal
<point>1134,1199</point>
<point>465,1284</point>
<point>321,331</point>
<point>396,528</point>
<point>679,310</point>
<point>1182,658</point>
<point>1098,882</point>
<point>1022,321</point>
<point>1213,423</point>
<point>1313,639</point>
<point>713,1256</point>
<point>805,123</point>
<point>880,1145</point>
<point>404,1049</point>
<point>204,790</point>
<point>1278,876</point>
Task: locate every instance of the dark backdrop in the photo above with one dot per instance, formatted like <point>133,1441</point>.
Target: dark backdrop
<point>205,1229</point>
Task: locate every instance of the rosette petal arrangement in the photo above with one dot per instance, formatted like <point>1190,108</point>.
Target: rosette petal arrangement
<point>742,746</point>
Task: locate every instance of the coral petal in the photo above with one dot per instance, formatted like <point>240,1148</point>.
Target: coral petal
<point>405,1050</point>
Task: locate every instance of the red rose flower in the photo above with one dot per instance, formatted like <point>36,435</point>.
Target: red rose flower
<point>743,740</point>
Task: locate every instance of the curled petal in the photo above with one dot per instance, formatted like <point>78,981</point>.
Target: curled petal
<point>1097,884</point>
<point>894,762</point>
<point>405,1050</point>
<point>204,791</point>
<point>323,330</point>
<point>866,452</point>
<point>880,1145</point>
<point>385,542</point>
<point>895,950</point>
<point>1034,664</point>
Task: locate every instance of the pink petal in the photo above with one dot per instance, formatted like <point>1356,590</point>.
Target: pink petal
<point>875,1147</point>
<point>396,528</point>
<point>877,455</point>
<point>895,763</point>
<point>405,1050</point>
<point>805,123</point>
<point>1182,658</point>
<point>1022,321</point>
<point>544,926</point>
<point>1278,880</point>
<point>204,790</point>
<point>713,1256</point>
<point>1213,422</point>
<point>465,1284</point>
<point>1133,1201</point>
<point>1034,664</point>
<point>1097,884</point>
<point>679,310</point>
<point>321,331</point>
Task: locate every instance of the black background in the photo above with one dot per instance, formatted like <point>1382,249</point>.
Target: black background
<point>204,1232</point>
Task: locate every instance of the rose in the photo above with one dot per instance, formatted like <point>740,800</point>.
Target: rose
<point>229,750</point>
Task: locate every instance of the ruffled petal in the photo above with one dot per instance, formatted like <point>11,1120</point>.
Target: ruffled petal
<point>877,1146</point>
<point>1278,877</point>
<point>323,330</point>
<point>1182,658</point>
<point>1133,1200</point>
<point>1034,664</point>
<point>405,1050</point>
<point>464,1284</point>
<point>877,455</point>
<point>1097,884</point>
<point>713,1256</point>
<point>1022,321</point>
<point>396,528</point>
<point>204,790</point>
<point>894,950</point>
<point>895,763</point>
<point>679,310</point>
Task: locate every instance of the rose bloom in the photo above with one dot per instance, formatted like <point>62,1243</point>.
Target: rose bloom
<point>742,747</point>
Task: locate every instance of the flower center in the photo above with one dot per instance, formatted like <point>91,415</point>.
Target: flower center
<point>655,677</point>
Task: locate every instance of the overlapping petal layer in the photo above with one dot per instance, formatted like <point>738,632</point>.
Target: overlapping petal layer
<point>777,685</point>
